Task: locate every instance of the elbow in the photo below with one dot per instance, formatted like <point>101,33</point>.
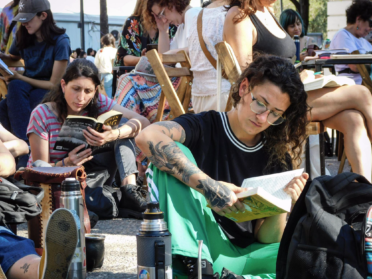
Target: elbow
<point>141,139</point>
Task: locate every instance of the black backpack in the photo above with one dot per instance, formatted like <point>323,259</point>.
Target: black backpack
<point>324,236</point>
<point>18,202</point>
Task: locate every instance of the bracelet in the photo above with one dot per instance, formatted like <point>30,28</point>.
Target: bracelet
<point>63,162</point>
<point>118,135</point>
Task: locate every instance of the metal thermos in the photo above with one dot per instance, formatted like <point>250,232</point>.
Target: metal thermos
<point>154,247</point>
<point>297,43</point>
<point>71,199</point>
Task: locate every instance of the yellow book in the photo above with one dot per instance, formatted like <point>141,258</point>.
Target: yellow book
<point>265,196</point>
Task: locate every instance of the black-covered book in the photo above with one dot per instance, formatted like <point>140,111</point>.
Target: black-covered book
<point>71,134</point>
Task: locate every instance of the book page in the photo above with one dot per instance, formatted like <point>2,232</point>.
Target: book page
<point>273,183</point>
<point>5,67</point>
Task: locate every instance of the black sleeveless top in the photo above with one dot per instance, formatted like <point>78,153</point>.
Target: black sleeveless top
<point>269,44</point>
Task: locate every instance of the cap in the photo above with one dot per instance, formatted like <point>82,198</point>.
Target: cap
<point>29,8</point>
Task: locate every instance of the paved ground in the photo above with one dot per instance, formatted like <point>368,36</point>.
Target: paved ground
<point>120,244</point>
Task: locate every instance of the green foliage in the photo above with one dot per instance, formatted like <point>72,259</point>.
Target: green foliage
<point>317,16</point>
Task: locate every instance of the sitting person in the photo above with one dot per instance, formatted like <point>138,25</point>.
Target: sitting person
<point>251,27</point>
<point>77,94</point>
<point>293,24</point>
<point>45,49</point>
<point>10,146</point>
<point>359,24</point>
<point>137,34</point>
<point>211,153</point>
<point>104,61</point>
<point>19,260</point>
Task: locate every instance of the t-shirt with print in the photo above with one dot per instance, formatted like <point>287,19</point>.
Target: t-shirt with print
<point>223,157</point>
<point>39,58</point>
<point>45,124</point>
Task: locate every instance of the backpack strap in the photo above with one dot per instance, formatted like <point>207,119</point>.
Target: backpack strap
<point>340,181</point>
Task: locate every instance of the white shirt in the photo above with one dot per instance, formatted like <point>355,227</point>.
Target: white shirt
<point>104,58</point>
<point>90,58</point>
<point>344,39</point>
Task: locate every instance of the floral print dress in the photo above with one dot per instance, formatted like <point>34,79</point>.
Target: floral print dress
<point>133,40</point>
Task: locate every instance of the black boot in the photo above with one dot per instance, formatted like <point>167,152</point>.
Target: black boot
<point>132,202</point>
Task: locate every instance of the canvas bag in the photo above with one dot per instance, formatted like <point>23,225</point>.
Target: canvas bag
<point>17,203</point>
<point>324,235</point>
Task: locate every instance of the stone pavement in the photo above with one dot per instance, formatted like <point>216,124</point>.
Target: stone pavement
<point>120,244</point>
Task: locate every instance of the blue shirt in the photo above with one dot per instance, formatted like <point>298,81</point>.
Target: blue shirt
<point>39,58</point>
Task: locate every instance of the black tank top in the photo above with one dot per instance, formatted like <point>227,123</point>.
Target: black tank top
<point>269,44</point>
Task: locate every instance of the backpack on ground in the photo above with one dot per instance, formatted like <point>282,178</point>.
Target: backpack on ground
<point>18,202</point>
<point>324,235</point>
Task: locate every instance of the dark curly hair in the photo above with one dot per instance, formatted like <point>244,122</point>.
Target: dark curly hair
<point>289,136</point>
<point>362,8</point>
<point>148,17</point>
<point>78,68</point>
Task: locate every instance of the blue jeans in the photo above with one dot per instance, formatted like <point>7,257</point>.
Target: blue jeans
<point>13,248</point>
<point>107,83</point>
<point>16,109</point>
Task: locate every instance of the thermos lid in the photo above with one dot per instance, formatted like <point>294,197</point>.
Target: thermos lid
<point>153,212</point>
<point>70,184</point>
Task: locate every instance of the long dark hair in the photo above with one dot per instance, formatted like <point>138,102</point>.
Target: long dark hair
<point>289,136</point>
<point>78,68</point>
<point>48,29</point>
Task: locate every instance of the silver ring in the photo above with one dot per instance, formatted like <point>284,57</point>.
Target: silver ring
<point>77,155</point>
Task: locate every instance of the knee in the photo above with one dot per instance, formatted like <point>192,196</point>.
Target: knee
<point>17,88</point>
<point>363,94</point>
<point>353,121</point>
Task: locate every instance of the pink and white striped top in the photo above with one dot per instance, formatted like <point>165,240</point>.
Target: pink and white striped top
<point>45,124</point>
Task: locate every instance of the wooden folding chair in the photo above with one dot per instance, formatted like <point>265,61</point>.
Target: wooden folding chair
<point>226,58</point>
<point>178,101</point>
<point>9,63</point>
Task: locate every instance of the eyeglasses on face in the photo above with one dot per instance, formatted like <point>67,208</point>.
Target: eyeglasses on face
<point>258,107</point>
<point>161,14</point>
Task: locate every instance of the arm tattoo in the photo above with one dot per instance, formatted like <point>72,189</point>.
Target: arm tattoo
<point>25,267</point>
<point>170,159</point>
<point>217,194</point>
<point>169,125</point>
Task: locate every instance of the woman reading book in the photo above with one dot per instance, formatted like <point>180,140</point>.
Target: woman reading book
<point>45,49</point>
<point>251,27</point>
<point>78,94</point>
<point>202,159</point>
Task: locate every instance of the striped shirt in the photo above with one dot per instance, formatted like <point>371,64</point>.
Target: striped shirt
<point>45,124</point>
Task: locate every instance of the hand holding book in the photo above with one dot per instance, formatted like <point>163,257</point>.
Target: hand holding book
<point>95,138</point>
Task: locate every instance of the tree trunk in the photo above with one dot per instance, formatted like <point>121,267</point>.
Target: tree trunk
<point>103,18</point>
<point>302,7</point>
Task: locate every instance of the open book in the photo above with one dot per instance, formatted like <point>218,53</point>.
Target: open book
<point>265,196</point>
<point>5,68</point>
<point>327,81</point>
<point>71,134</point>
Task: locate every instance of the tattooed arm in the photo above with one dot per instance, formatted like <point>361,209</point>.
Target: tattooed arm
<point>157,142</point>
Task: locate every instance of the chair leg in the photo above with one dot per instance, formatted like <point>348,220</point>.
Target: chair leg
<point>342,163</point>
<point>307,163</point>
<point>321,150</point>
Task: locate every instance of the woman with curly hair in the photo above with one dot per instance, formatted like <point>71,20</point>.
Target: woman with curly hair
<point>359,24</point>
<point>137,34</point>
<point>200,160</point>
<point>251,27</point>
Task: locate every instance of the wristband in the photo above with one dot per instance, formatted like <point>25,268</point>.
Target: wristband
<point>118,135</point>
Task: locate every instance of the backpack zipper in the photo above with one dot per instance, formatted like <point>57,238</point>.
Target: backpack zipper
<point>14,195</point>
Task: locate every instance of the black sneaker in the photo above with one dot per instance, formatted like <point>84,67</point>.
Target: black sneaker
<point>227,274</point>
<point>192,268</point>
<point>132,202</point>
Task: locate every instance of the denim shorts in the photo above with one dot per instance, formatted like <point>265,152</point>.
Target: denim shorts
<point>13,248</point>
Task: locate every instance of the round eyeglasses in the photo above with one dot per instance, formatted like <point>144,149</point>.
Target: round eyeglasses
<point>258,107</point>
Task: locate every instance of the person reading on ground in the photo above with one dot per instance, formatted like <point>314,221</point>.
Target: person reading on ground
<point>293,24</point>
<point>45,49</point>
<point>19,260</point>
<point>78,94</point>
<point>359,24</point>
<point>251,27</point>
<point>202,159</point>
<point>12,146</point>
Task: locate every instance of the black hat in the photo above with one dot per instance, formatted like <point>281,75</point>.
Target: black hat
<point>29,8</point>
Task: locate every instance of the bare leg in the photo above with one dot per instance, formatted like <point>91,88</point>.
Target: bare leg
<point>25,268</point>
<point>130,179</point>
<point>357,144</point>
<point>327,102</point>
